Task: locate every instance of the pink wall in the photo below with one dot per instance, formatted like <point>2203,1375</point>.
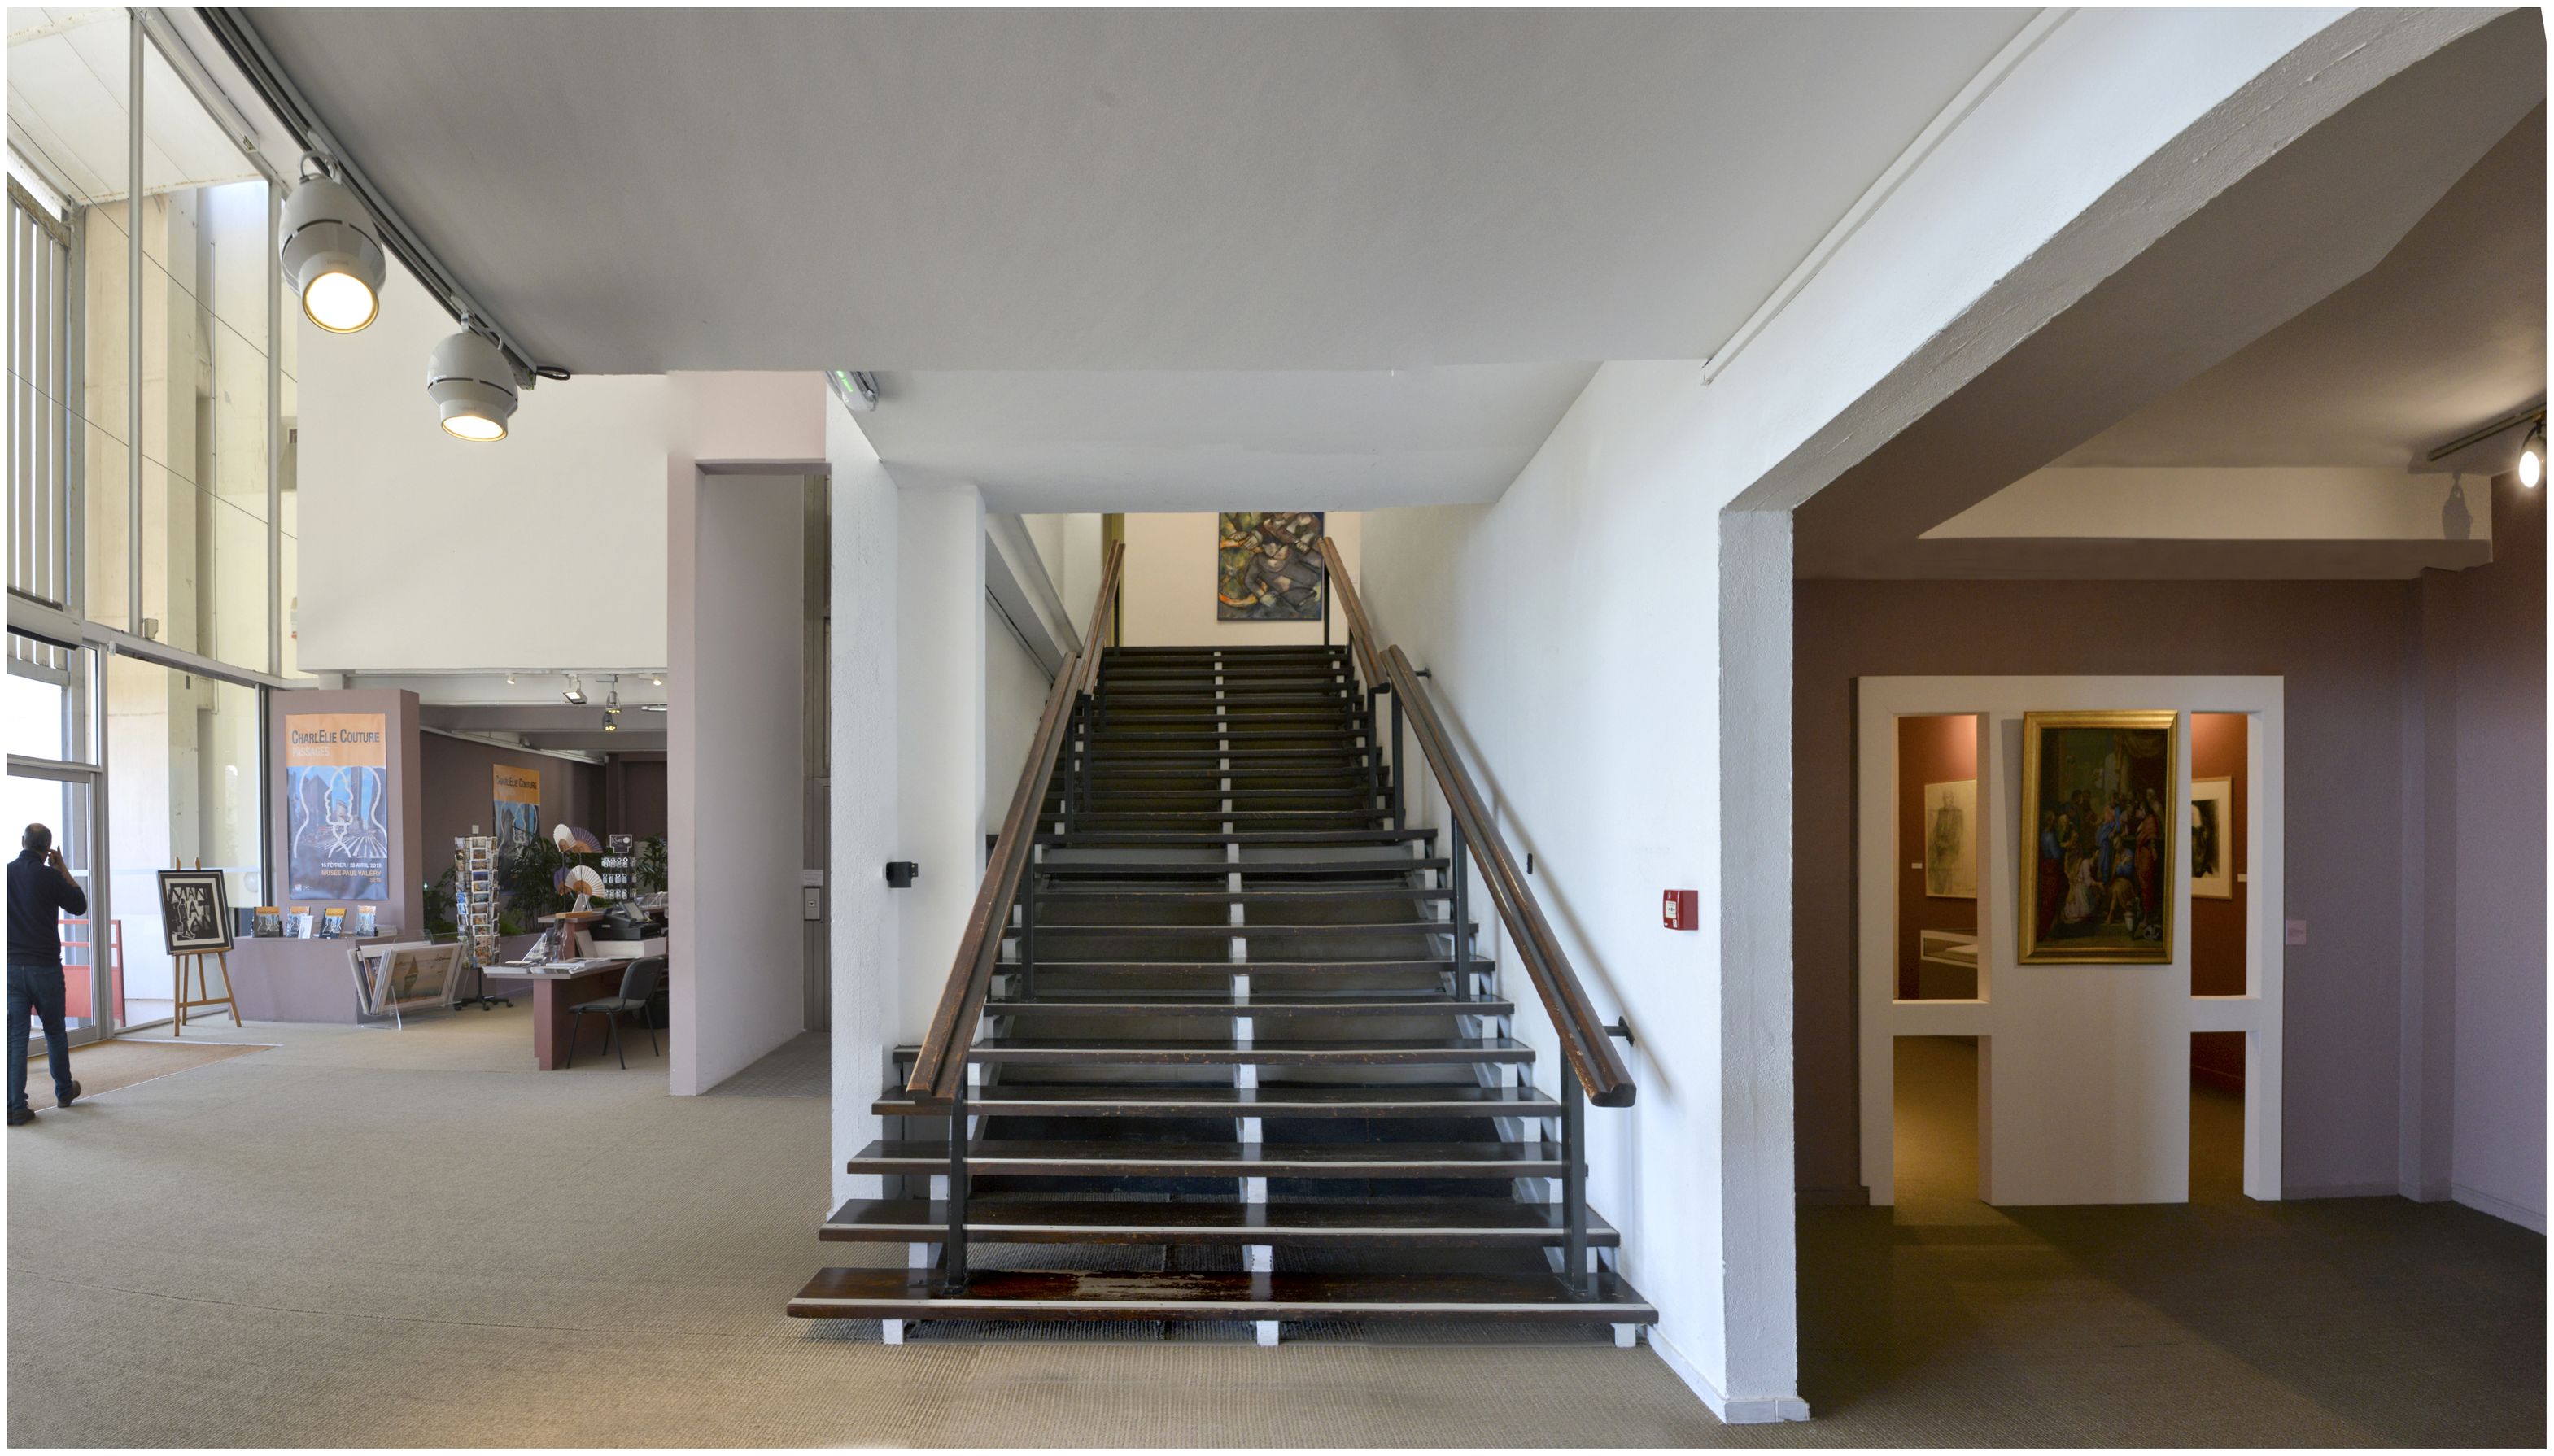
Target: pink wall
<point>1931,750</point>
<point>2415,756</point>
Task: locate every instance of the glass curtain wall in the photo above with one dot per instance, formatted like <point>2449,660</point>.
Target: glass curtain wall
<point>152,476</point>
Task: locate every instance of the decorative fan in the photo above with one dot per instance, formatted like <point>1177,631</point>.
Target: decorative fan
<point>573,840</point>
<point>583,879</point>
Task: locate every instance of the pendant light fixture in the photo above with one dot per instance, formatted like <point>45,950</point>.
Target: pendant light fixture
<point>472,385</point>
<point>332,253</point>
<point>2531,456</point>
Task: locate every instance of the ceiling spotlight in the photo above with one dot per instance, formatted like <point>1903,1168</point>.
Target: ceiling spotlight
<point>472,385</point>
<point>510,680</point>
<point>332,257</point>
<point>2532,457</point>
<point>575,694</point>
<point>612,720</point>
<point>652,706</point>
<point>658,679</point>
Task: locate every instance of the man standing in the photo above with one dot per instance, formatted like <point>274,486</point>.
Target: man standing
<point>40,888</point>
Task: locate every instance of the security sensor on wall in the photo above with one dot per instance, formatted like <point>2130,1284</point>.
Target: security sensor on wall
<point>856,388</point>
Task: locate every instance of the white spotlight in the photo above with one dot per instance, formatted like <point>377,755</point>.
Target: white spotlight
<point>472,385</point>
<point>332,257</point>
<point>2532,457</point>
<point>575,694</point>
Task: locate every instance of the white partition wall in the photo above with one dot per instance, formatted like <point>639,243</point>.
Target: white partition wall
<point>2084,1070</point>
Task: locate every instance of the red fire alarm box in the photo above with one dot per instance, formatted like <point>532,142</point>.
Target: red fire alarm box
<point>1678,911</point>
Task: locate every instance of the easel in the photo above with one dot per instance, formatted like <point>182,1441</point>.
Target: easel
<point>204,981</point>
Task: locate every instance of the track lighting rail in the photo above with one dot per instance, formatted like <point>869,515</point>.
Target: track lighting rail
<point>239,39</point>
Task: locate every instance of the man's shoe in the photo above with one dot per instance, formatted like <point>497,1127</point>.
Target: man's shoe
<point>21,1116</point>
<point>70,1097</point>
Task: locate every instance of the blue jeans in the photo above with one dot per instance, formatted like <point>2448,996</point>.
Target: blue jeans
<point>38,988</point>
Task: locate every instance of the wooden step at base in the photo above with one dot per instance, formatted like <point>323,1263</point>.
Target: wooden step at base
<point>929,1156</point>
<point>1343,1223</point>
<point>1041,1294</point>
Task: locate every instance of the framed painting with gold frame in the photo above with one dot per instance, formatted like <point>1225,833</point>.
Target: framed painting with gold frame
<point>2098,793</point>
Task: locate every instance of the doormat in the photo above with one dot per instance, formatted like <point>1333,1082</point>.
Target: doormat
<point>103,1066</point>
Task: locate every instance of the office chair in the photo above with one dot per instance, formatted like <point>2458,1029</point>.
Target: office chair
<point>638,985</point>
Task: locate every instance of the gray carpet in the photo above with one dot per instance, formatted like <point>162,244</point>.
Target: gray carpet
<point>404,1238</point>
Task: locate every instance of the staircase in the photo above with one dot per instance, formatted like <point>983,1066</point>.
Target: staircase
<point>1236,1059</point>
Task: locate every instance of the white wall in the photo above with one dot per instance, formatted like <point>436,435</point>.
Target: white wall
<point>421,551</point>
<point>1069,545</point>
<point>2067,1049</point>
<point>735,797</point>
<point>1015,693</point>
<point>940,735</point>
<point>867,986</point>
<point>1170,584</point>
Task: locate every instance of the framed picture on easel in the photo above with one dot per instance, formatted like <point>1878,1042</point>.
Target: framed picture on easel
<point>194,911</point>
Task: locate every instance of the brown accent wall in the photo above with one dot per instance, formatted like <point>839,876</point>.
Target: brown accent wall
<point>634,795</point>
<point>2341,646</point>
<point>461,791</point>
<point>1931,750</point>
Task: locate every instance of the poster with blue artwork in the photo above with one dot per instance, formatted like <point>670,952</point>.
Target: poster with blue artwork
<point>336,805</point>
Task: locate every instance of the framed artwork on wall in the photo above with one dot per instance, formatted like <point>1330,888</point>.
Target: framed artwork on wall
<point>1268,566</point>
<point>2097,796</point>
<point>1951,839</point>
<point>2212,838</point>
<point>194,911</point>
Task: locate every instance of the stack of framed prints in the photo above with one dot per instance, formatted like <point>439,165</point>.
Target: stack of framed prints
<point>396,980</point>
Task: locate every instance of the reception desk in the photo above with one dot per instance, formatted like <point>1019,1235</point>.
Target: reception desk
<point>553,994</point>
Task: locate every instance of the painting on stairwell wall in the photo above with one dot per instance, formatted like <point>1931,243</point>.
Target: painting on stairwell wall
<point>1268,566</point>
<point>2098,837</point>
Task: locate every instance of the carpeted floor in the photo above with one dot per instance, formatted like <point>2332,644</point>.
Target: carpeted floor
<point>103,1066</point>
<point>404,1238</point>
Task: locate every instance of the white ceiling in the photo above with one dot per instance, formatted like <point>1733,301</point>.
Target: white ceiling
<point>642,191</point>
<point>1201,440</point>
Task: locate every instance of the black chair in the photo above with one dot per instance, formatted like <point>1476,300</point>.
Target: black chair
<point>638,985</point>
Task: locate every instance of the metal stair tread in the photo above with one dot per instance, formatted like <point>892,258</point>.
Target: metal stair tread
<point>1378,1004</point>
<point>1027,1158</point>
<point>1006,1218</point>
<point>1085,1099</point>
<point>1082,1295</point>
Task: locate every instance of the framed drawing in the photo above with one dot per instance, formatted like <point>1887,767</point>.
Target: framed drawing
<point>1268,566</point>
<point>2096,790</point>
<point>194,911</point>
<point>1951,840</point>
<point>2212,838</point>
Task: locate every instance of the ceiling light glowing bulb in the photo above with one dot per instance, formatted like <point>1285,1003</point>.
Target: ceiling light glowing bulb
<point>340,303</point>
<point>2531,458</point>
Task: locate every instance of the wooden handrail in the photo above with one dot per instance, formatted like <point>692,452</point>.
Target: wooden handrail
<point>1361,636</point>
<point>940,1062</point>
<point>1585,1042</point>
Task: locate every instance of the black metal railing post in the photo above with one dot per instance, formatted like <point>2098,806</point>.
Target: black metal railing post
<point>1028,929</point>
<point>1573,1184</point>
<point>953,1248</point>
<point>1400,811</point>
<point>1459,883</point>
